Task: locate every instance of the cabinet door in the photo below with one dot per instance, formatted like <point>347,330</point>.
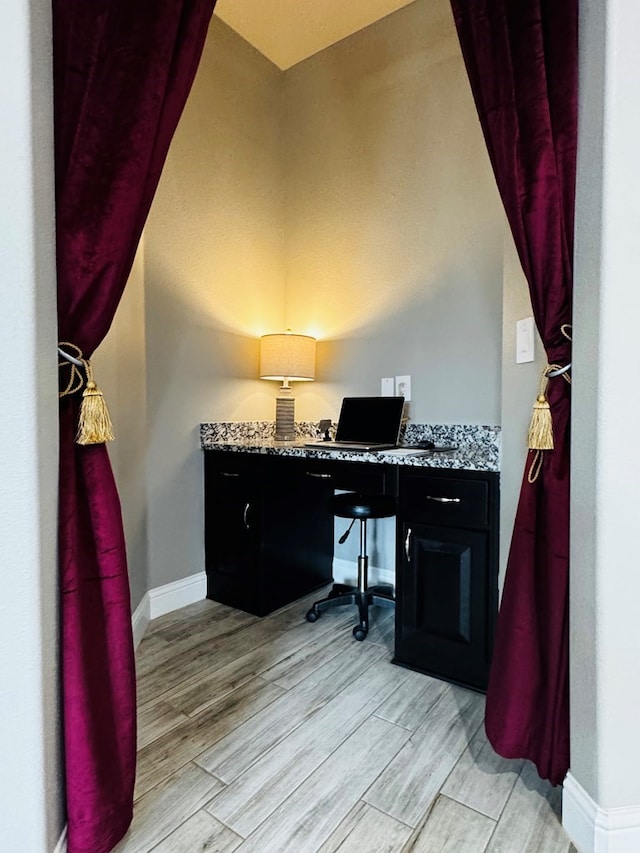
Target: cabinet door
<point>232,520</point>
<point>297,528</point>
<point>441,613</point>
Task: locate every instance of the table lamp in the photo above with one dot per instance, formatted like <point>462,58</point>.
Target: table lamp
<point>288,358</point>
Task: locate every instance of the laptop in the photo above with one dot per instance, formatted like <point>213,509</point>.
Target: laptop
<point>366,423</point>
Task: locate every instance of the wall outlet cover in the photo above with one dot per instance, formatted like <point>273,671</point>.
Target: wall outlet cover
<point>387,387</point>
<point>525,340</point>
<point>403,387</point>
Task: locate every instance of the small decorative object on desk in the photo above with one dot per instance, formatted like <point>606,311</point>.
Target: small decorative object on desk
<point>324,426</point>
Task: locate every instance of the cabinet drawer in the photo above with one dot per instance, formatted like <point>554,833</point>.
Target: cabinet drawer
<point>227,467</point>
<point>451,501</point>
<point>348,476</point>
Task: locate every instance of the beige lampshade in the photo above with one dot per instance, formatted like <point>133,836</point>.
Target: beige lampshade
<point>288,356</point>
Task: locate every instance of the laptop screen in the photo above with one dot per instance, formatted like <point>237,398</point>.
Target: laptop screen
<point>375,420</point>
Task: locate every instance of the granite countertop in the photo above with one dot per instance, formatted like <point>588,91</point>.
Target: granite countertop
<point>477,447</point>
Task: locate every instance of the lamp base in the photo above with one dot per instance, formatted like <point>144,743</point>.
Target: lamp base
<point>285,411</point>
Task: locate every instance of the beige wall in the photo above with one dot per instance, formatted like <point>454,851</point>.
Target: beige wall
<point>31,778</point>
<point>393,220</point>
<point>520,384</point>
<point>605,465</point>
<point>351,198</point>
<point>214,278</point>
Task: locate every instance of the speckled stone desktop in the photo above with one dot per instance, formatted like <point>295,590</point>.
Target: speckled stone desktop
<point>477,447</point>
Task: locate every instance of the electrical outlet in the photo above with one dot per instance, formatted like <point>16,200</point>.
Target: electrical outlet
<point>387,387</point>
<point>403,387</point>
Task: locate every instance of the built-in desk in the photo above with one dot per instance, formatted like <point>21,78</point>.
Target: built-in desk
<point>269,538</point>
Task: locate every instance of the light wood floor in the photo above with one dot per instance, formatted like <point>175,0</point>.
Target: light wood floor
<point>270,735</point>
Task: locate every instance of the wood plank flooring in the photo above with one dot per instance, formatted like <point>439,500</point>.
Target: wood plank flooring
<point>278,736</point>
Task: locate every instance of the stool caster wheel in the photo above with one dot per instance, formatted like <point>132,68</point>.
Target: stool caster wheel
<point>359,632</point>
<point>312,616</point>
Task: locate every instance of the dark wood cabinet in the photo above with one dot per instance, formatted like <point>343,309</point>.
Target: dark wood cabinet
<point>297,529</point>
<point>269,541</point>
<point>232,535</point>
<point>268,529</point>
<point>446,577</point>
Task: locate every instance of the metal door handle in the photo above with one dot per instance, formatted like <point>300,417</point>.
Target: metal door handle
<point>407,545</point>
<point>228,474</point>
<point>319,476</point>
<point>443,500</point>
<point>245,515</point>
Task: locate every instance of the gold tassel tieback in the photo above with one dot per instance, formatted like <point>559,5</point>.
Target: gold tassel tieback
<point>541,426</point>
<point>94,423</point>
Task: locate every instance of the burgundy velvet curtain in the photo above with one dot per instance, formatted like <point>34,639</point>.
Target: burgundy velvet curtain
<point>122,73</point>
<point>522,61</point>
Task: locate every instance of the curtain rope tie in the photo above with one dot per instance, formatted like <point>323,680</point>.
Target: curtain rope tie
<point>94,423</point>
<point>553,371</point>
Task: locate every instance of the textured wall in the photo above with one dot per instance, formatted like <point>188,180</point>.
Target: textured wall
<point>350,197</point>
<point>605,683</point>
<point>31,784</point>
<point>393,222</point>
<point>214,278</point>
<point>520,384</point>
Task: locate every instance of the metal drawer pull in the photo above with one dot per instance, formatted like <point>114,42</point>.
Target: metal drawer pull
<point>319,476</point>
<point>407,545</point>
<point>228,474</point>
<point>444,500</point>
<point>245,515</point>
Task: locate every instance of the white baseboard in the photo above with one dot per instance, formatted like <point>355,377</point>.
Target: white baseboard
<point>61,846</point>
<point>166,599</point>
<point>594,829</point>
<point>140,620</point>
<point>173,596</point>
<point>345,571</point>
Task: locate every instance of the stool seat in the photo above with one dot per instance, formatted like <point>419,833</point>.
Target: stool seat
<point>356,505</point>
<point>360,507</point>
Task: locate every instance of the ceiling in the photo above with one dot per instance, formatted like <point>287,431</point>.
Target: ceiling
<point>288,31</point>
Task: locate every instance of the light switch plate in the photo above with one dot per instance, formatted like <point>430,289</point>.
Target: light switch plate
<point>403,387</point>
<point>387,388</point>
<point>524,341</point>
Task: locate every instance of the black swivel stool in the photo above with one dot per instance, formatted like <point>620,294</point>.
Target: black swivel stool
<point>358,507</point>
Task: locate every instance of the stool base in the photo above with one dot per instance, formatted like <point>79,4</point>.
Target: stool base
<point>341,595</point>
